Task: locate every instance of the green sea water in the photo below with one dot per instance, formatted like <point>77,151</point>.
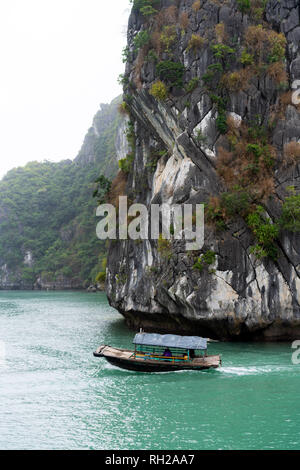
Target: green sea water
<point>55,395</point>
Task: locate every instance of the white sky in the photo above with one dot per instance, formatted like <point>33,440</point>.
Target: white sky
<point>59,59</point>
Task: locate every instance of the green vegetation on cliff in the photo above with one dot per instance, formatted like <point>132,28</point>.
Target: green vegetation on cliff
<point>47,213</point>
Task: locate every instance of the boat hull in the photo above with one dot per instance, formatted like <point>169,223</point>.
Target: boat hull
<point>146,365</point>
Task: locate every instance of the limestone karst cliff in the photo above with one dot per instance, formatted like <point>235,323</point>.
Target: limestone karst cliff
<point>210,88</point>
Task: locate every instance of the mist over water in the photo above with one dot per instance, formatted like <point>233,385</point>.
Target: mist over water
<point>55,395</point>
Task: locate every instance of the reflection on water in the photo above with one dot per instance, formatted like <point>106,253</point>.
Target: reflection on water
<point>55,395</point>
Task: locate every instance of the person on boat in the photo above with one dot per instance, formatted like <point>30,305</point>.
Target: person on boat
<point>167,353</point>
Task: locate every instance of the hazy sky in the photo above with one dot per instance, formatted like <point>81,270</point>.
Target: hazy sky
<point>59,59</point>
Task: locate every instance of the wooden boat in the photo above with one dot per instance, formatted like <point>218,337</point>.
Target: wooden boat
<point>161,353</point>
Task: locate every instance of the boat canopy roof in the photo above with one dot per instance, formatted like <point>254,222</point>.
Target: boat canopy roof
<point>171,341</point>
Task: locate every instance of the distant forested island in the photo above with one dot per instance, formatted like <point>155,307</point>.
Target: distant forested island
<point>47,213</point>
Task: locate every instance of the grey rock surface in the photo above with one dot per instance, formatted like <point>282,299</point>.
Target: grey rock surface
<point>241,297</point>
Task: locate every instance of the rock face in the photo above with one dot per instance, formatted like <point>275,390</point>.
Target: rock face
<point>61,283</point>
<point>104,141</point>
<point>235,61</point>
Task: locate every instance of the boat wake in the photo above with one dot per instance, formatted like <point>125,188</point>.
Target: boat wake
<point>256,370</point>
